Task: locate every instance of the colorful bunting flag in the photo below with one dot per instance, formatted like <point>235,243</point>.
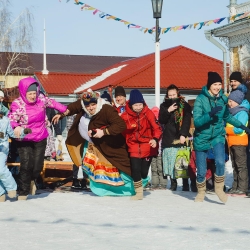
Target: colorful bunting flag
<point>161,30</point>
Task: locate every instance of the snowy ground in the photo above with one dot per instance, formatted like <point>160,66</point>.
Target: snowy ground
<point>162,220</point>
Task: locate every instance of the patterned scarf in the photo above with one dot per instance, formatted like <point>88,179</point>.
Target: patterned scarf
<point>178,114</point>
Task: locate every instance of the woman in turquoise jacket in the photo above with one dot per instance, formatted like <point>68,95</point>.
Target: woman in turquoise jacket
<point>210,114</point>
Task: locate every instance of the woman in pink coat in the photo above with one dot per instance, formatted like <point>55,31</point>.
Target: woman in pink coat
<point>29,110</point>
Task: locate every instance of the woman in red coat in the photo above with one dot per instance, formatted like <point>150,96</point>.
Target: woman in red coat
<point>142,137</point>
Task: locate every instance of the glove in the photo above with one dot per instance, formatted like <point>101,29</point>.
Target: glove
<point>245,128</point>
<point>215,110</point>
<point>59,138</point>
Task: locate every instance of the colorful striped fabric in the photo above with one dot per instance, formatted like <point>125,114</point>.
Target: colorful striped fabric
<point>102,172</point>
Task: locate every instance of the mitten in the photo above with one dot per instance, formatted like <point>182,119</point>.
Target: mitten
<point>215,110</point>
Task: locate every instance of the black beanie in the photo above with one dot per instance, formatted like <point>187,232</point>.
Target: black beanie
<point>236,76</point>
<point>212,78</point>
<point>119,90</point>
<point>32,87</point>
<point>106,96</point>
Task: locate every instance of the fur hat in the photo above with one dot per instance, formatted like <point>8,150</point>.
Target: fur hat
<point>106,96</point>
<point>119,90</point>
<point>212,78</point>
<point>1,93</point>
<point>89,98</point>
<point>237,96</point>
<point>135,97</point>
<point>236,76</point>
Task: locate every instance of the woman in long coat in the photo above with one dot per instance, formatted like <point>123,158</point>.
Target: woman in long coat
<point>175,114</point>
<point>95,142</point>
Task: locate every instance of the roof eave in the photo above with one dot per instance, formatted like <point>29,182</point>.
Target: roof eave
<point>232,29</point>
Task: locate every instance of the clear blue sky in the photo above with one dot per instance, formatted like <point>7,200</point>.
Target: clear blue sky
<point>72,31</point>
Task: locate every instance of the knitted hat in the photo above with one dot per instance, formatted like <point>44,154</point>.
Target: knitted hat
<point>119,90</point>
<point>237,96</point>
<point>236,76</point>
<point>88,98</point>
<point>135,97</point>
<point>212,78</point>
<point>1,93</point>
<point>32,87</point>
<point>106,96</point>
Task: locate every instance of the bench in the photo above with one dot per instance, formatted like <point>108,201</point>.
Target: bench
<point>54,165</point>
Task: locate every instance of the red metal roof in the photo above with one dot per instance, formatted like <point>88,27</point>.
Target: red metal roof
<point>180,65</point>
<point>62,83</point>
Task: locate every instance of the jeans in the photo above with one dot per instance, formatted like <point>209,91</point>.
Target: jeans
<point>201,163</point>
<point>7,182</point>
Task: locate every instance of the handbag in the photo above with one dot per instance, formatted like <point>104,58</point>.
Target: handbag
<point>181,163</point>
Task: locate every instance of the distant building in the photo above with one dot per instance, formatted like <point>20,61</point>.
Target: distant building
<point>236,36</point>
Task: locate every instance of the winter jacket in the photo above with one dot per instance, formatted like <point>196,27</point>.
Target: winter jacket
<point>237,136</point>
<point>3,109</point>
<point>7,130</point>
<point>32,115</point>
<point>210,130</point>
<point>172,131</point>
<point>120,108</point>
<point>141,128</point>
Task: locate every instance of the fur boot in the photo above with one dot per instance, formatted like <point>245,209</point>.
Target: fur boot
<point>32,188</point>
<point>12,193</point>
<point>138,191</point>
<point>219,187</point>
<point>3,198</point>
<point>201,186</point>
<point>22,197</point>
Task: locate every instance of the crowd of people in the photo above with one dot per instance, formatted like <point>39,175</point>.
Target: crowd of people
<point>113,141</point>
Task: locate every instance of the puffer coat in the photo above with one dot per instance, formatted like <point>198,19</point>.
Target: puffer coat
<point>32,115</point>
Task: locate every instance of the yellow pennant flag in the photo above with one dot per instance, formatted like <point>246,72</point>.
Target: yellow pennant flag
<point>195,25</point>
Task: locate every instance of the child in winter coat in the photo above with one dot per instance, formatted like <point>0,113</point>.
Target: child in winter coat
<point>3,109</point>
<point>238,141</point>
<point>7,182</point>
<point>142,137</point>
<point>157,179</point>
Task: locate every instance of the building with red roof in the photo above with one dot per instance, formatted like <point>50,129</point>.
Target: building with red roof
<point>180,65</point>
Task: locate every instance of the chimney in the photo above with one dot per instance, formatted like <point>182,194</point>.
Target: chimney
<point>44,71</point>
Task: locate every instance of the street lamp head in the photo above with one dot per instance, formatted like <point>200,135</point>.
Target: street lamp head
<point>157,8</point>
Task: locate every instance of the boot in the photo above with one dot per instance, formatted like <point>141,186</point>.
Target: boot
<point>138,191</point>
<point>185,185</point>
<point>201,186</point>
<point>22,197</point>
<point>76,184</point>
<point>218,187</point>
<point>3,198</point>
<point>32,188</point>
<point>12,193</point>
<point>173,184</point>
<point>193,185</point>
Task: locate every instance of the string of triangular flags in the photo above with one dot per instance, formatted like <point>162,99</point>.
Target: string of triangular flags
<point>198,25</point>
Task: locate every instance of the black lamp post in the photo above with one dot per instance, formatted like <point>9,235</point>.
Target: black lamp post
<point>157,8</point>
